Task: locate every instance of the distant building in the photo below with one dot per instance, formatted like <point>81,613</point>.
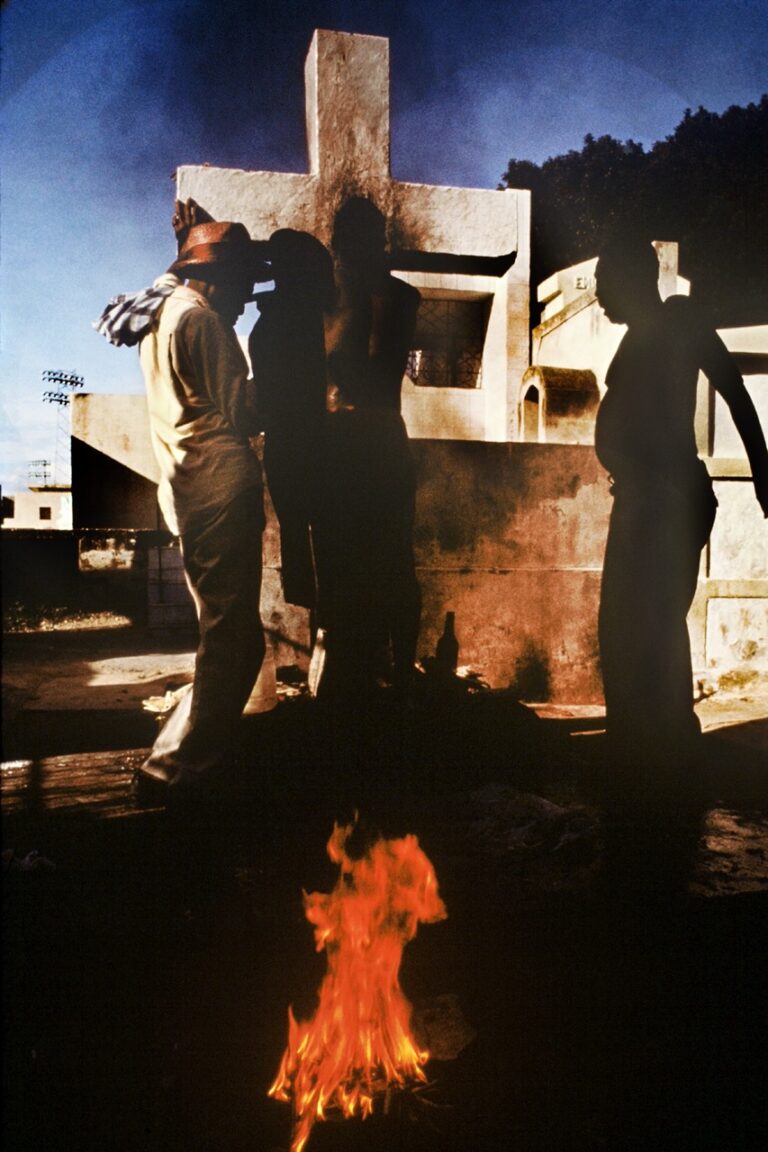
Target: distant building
<point>47,506</point>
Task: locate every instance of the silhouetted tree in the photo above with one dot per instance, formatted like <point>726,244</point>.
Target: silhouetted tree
<point>706,186</point>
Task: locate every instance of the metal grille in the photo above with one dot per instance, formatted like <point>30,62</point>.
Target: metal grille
<point>448,344</point>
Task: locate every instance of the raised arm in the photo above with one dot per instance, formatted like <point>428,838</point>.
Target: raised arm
<point>720,369</point>
<point>186,214</point>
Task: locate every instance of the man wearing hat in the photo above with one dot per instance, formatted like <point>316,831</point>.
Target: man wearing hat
<point>210,489</point>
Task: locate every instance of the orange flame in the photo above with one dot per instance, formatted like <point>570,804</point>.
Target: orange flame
<point>359,1039</point>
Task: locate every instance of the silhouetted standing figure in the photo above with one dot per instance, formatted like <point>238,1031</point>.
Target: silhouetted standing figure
<point>372,595</point>
<point>287,351</point>
<point>663,512</point>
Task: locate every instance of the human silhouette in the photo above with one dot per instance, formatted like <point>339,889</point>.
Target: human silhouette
<point>372,599</point>
<point>287,353</point>
<point>663,511</point>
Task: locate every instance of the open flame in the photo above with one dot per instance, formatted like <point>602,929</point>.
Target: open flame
<point>359,1041</point>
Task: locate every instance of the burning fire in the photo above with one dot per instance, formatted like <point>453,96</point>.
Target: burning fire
<point>359,1041</point>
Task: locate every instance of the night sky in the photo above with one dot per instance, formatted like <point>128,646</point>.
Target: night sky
<point>102,101</point>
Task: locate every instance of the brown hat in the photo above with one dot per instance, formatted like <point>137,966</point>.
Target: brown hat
<point>219,246</point>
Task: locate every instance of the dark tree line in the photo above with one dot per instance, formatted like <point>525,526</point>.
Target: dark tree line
<point>705,186</point>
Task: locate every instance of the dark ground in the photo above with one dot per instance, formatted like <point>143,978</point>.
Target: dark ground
<point>147,976</point>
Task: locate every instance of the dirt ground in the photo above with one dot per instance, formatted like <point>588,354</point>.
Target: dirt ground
<point>571,1005</point>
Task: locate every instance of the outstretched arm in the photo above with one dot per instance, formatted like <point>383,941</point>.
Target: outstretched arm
<point>724,376</point>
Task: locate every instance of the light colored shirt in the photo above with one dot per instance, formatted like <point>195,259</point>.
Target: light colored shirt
<point>195,375</point>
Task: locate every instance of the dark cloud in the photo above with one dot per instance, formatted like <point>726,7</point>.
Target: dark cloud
<point>224,80</point>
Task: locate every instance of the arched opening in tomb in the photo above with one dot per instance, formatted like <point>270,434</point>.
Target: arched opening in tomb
<point>531,407</point>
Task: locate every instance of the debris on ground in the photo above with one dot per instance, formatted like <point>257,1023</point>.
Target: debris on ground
<point>433,675</point>
<point>32,862</point>
<point>520,822</point>
<point>441,1027</point>
<point>734,854</point>
<point>162,705</point>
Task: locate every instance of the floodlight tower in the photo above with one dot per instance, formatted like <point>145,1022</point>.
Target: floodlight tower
<point>38,472</point>
<point>64,384</point>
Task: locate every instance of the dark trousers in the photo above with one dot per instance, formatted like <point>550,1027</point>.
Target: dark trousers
<point>649,580</point>
<point>223,565</point>
<point>370,600</point>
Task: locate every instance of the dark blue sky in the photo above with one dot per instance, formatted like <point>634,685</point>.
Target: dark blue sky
<point>102,100</point>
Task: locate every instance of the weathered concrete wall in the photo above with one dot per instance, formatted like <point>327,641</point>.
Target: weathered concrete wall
<point>737,639</point>
<point>443,413</point>
<point>108,494</point>
<point>727,443</point>
<point>488,411</point>
<point>749,347</point>
<point>510,537</point>
<point>729,617</point>
<point>116,425</point>
<point>114,471</point>
<point>346,80</point>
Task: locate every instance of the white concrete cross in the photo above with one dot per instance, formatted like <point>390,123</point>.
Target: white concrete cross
<point>452,241</point>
